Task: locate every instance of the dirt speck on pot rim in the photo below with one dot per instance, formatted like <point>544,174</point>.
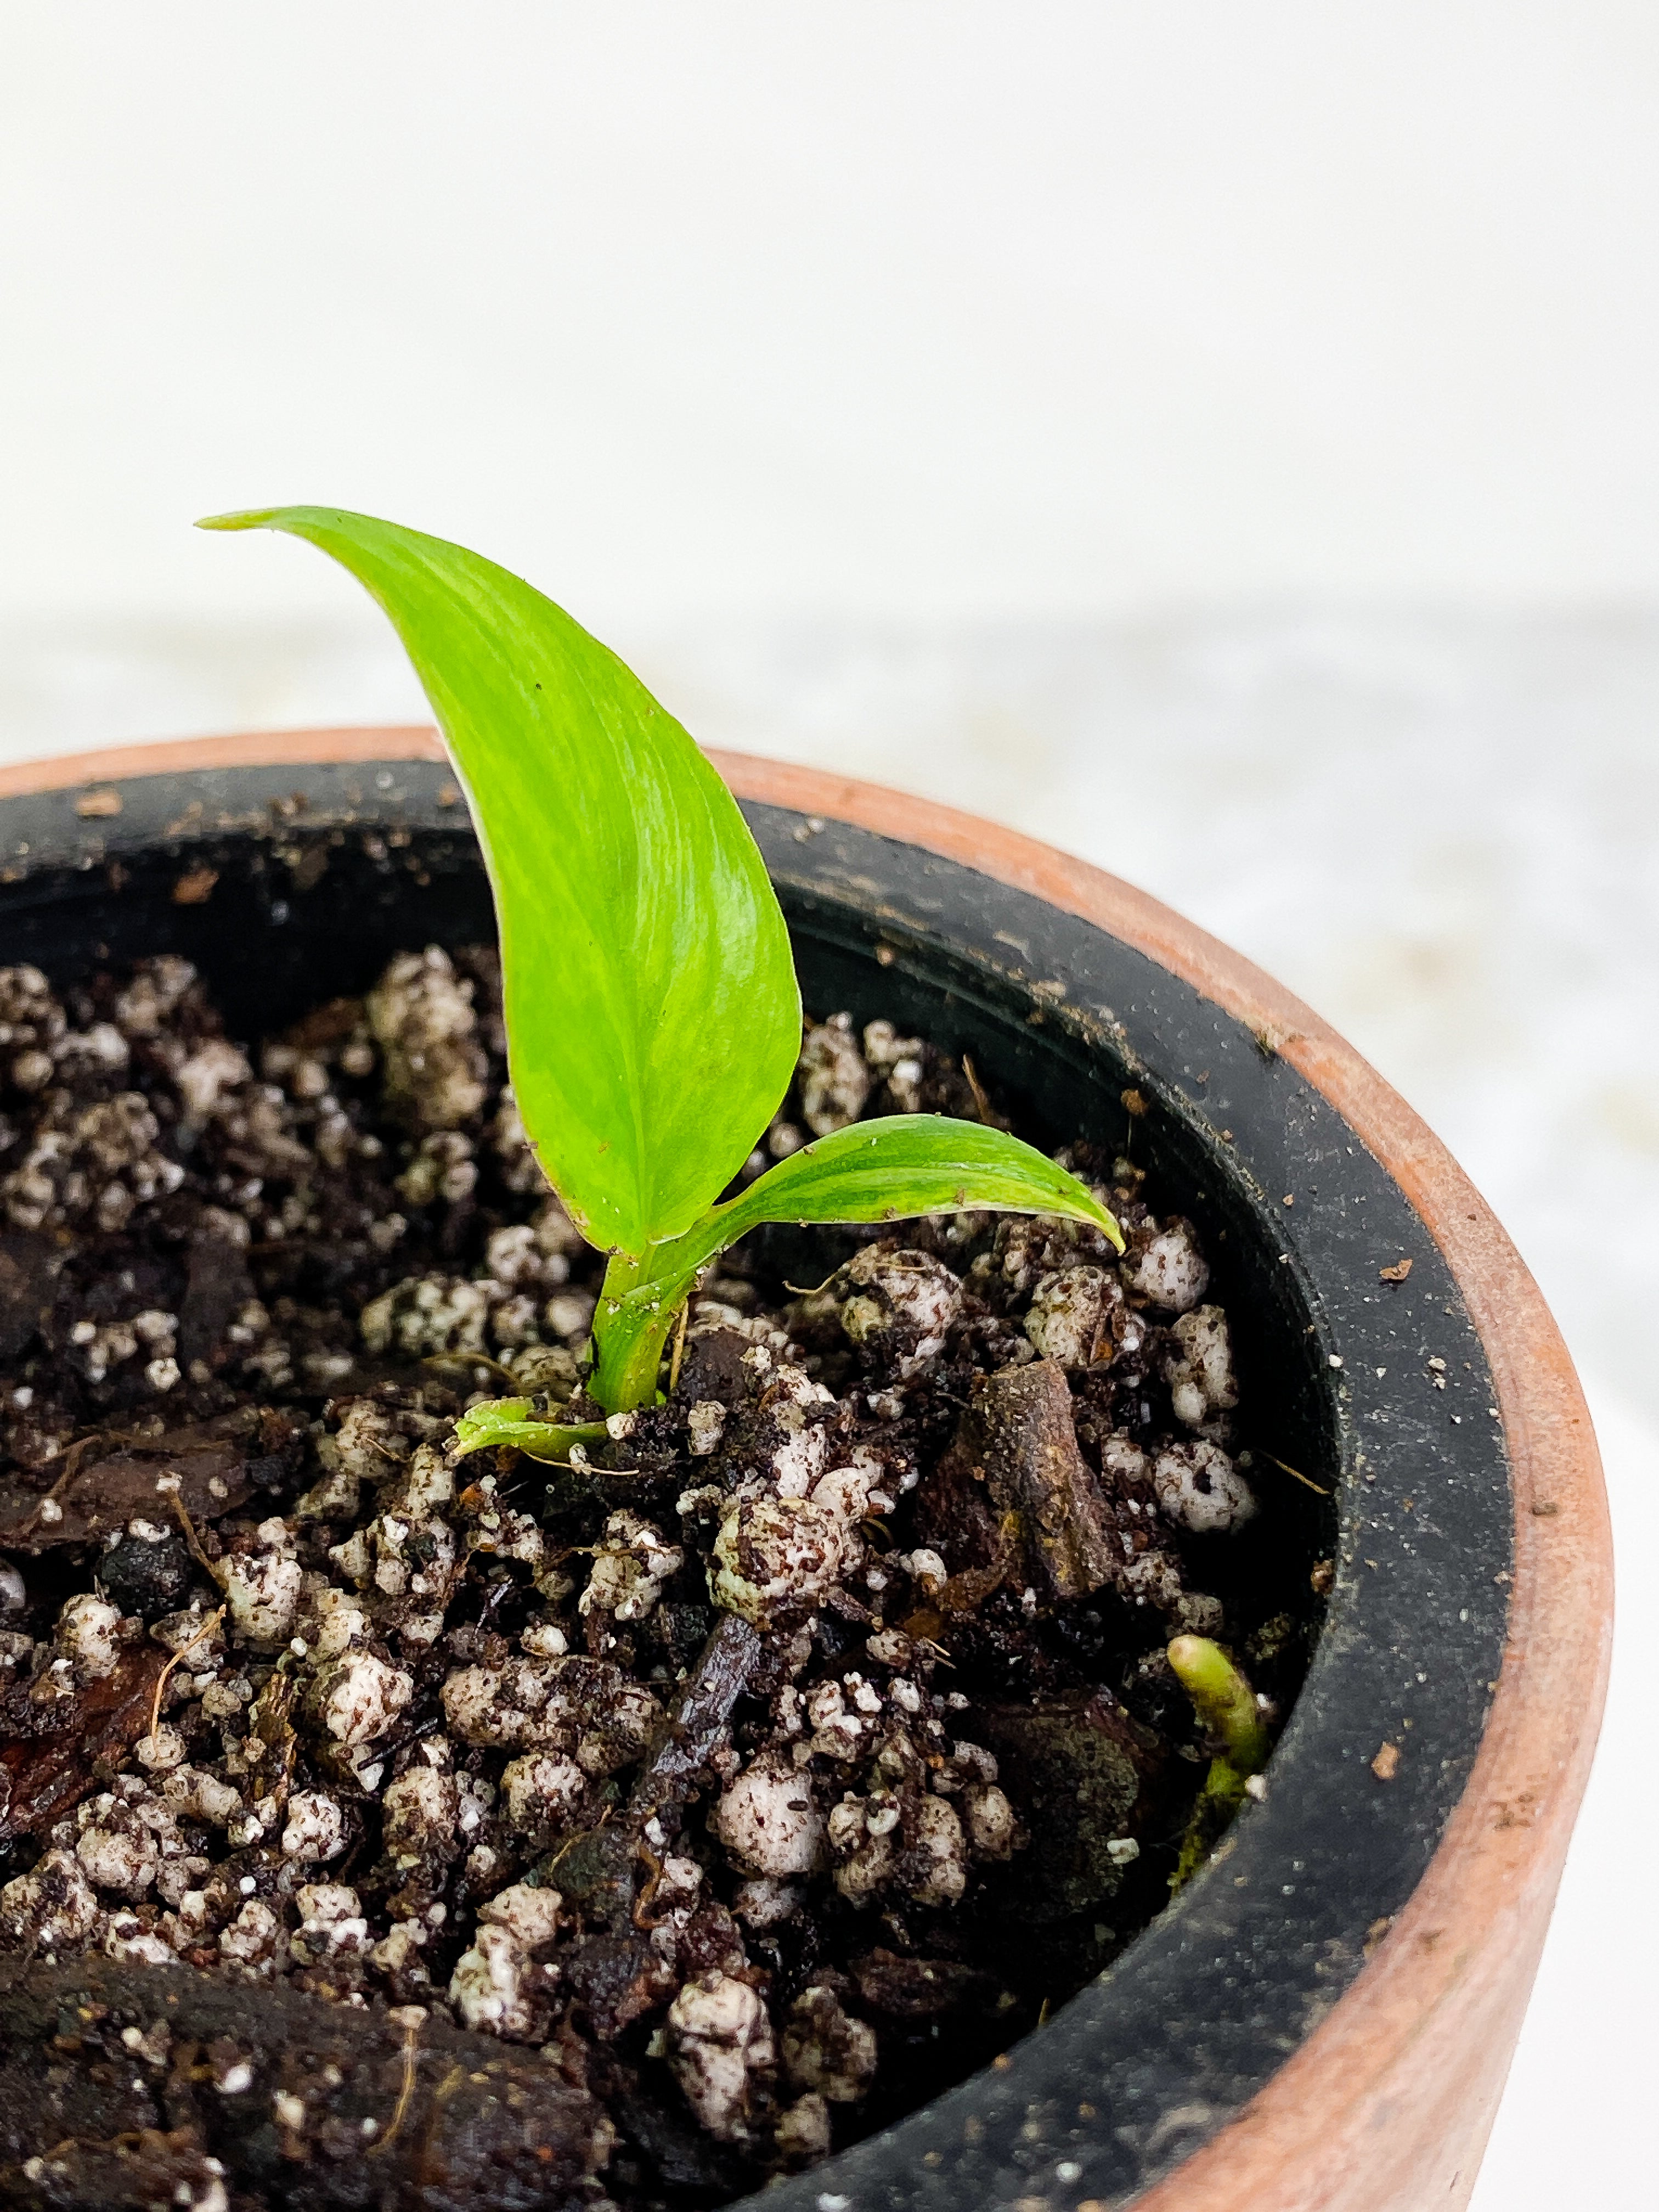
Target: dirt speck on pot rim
<point>769,1770</point>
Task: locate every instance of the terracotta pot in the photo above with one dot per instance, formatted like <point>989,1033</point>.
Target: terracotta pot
<point>1326,2017</point>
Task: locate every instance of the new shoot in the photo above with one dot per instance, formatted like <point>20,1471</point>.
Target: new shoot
<point>1231,1717</point>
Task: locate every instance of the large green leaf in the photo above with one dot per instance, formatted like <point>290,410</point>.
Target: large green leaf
<point>651,997</point>
<point>887,1170</point>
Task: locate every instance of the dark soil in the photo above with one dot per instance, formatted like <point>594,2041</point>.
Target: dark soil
<point>383,1827</point>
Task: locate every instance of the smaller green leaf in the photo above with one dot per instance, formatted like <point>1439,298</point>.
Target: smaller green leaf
<point>910,1163</point>
<point>515,1421</point>
<point>891,1169</point>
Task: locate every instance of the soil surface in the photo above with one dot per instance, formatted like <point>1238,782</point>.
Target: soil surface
<point>382,1827</point>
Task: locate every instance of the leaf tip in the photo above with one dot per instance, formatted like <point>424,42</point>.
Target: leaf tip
<point>245,518</point>
<point>1100,1216</point>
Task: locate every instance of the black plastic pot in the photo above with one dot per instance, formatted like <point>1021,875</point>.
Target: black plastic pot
<point>291,883</point>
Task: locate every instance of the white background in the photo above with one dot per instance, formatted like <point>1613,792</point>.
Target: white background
<point>1221,438</point>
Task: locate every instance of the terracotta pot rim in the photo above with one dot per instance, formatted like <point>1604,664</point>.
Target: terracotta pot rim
<point>1487,1887</point>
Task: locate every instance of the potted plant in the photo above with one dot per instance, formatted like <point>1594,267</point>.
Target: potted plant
<point>1324,2014</point>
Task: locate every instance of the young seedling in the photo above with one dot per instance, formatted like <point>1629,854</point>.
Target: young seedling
<point>1227,1709</point>
<point>652,1016</point>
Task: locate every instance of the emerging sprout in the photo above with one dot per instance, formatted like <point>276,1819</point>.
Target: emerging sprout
<point>1227,1708</point>
<point>652,1016</point>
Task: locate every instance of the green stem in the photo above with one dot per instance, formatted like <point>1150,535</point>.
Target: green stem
<point>630,1331</point>
<point>1222,1795</point>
